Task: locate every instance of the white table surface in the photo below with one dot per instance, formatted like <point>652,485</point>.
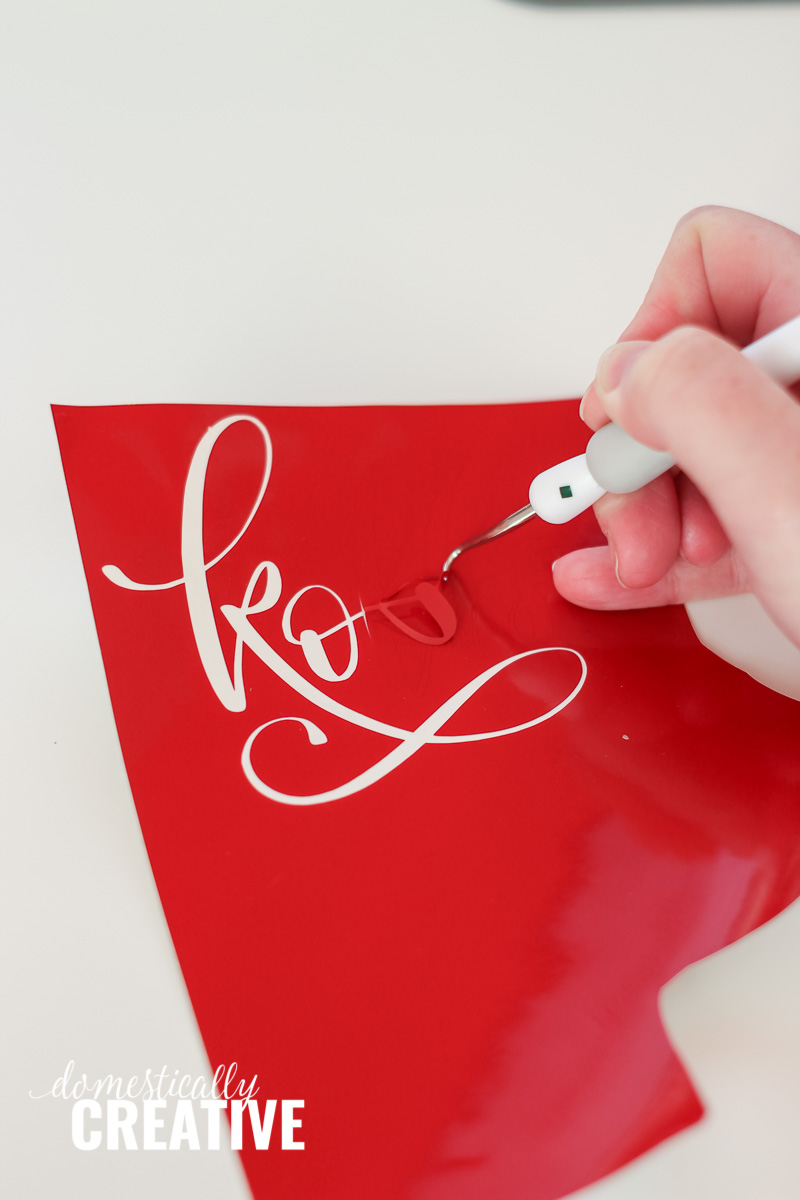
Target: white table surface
<point>297,201</point>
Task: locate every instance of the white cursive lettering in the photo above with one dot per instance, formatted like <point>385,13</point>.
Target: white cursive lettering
<point>229,686</point>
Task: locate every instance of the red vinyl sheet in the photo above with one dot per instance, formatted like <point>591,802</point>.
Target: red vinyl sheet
<point>430,884</point>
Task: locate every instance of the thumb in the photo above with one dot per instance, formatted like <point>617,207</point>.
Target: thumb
<point>734,432</point>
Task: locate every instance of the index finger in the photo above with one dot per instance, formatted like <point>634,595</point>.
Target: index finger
<point>731,272</point>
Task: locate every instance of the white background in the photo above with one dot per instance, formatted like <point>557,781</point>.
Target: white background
<point>296,201</point>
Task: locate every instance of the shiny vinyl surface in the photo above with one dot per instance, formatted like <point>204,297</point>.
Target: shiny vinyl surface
<point>448,943</point>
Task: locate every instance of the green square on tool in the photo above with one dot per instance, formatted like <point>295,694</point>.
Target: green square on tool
<point>566,492</point>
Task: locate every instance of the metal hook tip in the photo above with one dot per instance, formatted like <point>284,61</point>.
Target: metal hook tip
<point>505,526</point>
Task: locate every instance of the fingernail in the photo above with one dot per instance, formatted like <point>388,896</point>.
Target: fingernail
<point>612,369</point>
<point>616,572</point>
<point>583,402</point>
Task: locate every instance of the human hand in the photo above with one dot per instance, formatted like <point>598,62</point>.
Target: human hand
<point>728,520</point>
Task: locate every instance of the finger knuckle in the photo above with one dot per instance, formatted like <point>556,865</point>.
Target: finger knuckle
<point>688,344</point>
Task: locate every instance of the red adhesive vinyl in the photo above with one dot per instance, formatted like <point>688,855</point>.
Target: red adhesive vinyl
<point>448,944</point>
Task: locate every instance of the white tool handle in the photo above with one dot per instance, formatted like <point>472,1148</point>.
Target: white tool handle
<point>616,462</point>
